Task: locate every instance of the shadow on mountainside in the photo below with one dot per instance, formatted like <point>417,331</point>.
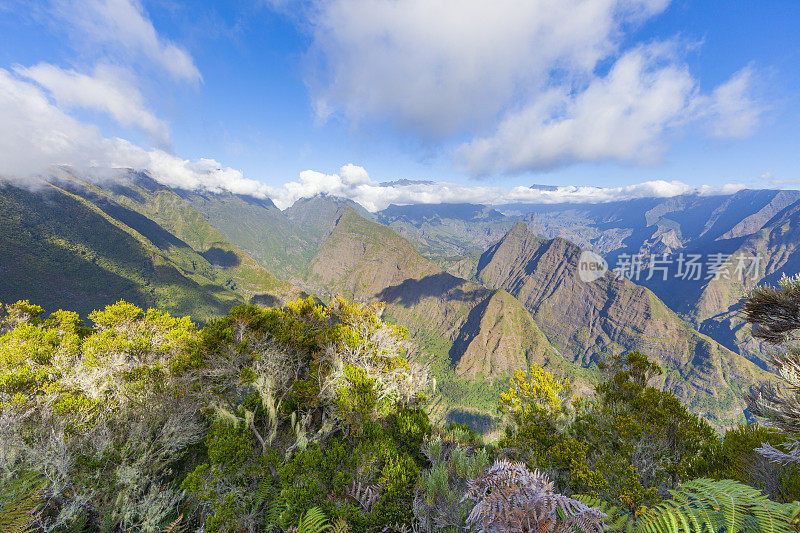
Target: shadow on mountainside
<point>221,258</point>
<point>478,422</point>
<point>411,291</point>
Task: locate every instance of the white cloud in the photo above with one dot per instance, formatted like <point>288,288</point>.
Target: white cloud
<point>524,81</point>
<point>37,137</point>
<point>123,26</point>
<point>437,66</point>
<point>374,196</point>
<point>108,89</point>
<point>623,116</point>
<point>732,110</point>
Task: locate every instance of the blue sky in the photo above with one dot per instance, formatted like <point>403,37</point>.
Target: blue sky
<point>488,96</point>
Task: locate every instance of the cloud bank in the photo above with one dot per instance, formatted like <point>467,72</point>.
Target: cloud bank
<point>525,74</point>
<point>38,137</point>
<point>533,84</point>
<point>125,47</point>
<point>353,182</point>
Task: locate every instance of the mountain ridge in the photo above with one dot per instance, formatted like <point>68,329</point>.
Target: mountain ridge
<point>588,320</point>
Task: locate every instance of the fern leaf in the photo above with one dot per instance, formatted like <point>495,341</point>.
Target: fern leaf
<point>313,521</point>
<point>19,505</point>
<point>176,526</point>
<point>340,526</point>
<point>274,511</point>
<point>707,506</point>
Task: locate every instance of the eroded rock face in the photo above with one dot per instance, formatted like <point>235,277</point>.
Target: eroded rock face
<point>491,331</point>
<point>777,247</point>
<point>586,320</point>
<point>498,337</point>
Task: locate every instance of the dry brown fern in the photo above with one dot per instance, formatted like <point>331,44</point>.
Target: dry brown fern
<point>509,498</point>
<point>366,495</point>
<point>176,526</point>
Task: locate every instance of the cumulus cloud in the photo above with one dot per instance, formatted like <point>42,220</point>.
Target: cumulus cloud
<point>525,81</point>
<point>435,66</point>
<point>37,137</point>
<point>108,89</point>
<point>375,196</point>
<point>623,116</point>
<point>732,109</point>
<point>35,133</point>
<point>123,27</point>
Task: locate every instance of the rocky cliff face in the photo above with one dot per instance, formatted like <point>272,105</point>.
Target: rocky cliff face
<point>777,247</point>
<point>589,320</point>
<point>491,333</point>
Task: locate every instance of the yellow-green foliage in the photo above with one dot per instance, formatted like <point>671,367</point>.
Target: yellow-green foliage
<point>539,392</point>
<point>141,422</point>
<point>316,400</point>
<point>101,411</point>
<point>734,457</point>
<point>626,446</point>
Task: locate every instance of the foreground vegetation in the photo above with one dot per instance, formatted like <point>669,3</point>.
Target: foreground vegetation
<point>312,417</point>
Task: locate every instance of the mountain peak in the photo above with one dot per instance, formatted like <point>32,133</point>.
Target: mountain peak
<point>609,315</point>
<point>520,228</point>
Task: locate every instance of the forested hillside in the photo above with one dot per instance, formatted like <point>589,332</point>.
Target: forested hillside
<point>475,317</point>
<point>310,418</point>
<point>66,244</point>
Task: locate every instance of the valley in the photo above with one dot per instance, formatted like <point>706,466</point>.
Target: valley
<point>483,290</point>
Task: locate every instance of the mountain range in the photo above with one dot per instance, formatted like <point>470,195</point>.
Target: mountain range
<point>482,290</point>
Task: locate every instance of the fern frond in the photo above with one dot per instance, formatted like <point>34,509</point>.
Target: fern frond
<point>261,493</point>
<point>708,506</point>
<point>313,521</point>
<point>340,526</point>
<point>177,526</point>
<point>509,497</point>
<point>617,520</point>
<point>274,511</point>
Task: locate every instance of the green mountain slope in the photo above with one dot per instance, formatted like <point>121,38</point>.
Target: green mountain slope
<point>256,226</point>
<point>468,330</point>
<point>77,245</point>
<point>318,215</point>
<point>360,258</point>
<point>495,334</point>
<point>587,320</point>
<point>230,266</point>
<point>61,251</point>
